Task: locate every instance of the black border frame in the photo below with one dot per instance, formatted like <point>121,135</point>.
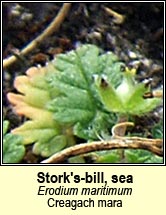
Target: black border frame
<point>151,164</point>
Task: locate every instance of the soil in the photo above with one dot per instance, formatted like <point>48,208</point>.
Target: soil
<point>138,40</point>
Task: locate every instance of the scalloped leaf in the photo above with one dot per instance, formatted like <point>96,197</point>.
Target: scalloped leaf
<point>42,129</point>
<point>13,149</point>
<point>78,103</point>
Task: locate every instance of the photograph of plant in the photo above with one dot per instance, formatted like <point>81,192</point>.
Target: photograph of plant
<point>83,83</point>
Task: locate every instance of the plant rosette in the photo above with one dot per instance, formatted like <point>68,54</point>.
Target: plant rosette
<point>78,94</point>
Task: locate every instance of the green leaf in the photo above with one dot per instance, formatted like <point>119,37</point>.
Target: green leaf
<point>137,156</point>
<point>13,150</point>
<point>42,130</point>
<point>141,156</point>
<point>157,130</point>
<point>54,144</point>
<point>127,97</point>
<point>5,126</point>
<point>107,157</point>
<point>155,159</point>
<point>76,159</point>
<point>78,103</point>
<point>109,96</point>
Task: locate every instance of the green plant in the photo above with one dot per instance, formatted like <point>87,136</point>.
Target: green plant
<point>13,150</point>
<point>157,130</point>
<point>78,94</point>
<point>128,97</point>
<point>42,129</point>
<point>141,156</point>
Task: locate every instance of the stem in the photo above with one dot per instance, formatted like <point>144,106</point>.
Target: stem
<point>120,131</point>
<point>54,26</point>
<point>153,145</point>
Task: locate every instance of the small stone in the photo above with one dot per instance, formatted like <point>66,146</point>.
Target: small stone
<point>132,54</point>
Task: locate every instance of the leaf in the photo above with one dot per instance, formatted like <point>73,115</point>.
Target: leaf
<point>127,98</point>
<point>5,126</point>
<point>107,157</point>
<point>155,159</point>
<point>109,96</point>
<point>76,159</point>
<point>157,130</point>
<point>78,103</point>
<point>42,130</point>
<point>54,144</point>
<point>137,156</point>
<point>13,150</point>
<point>141,156</point>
